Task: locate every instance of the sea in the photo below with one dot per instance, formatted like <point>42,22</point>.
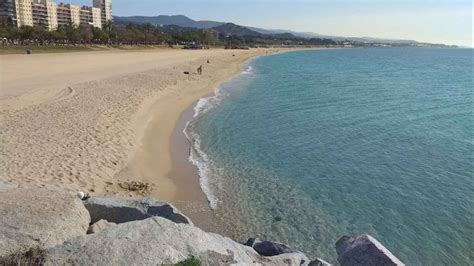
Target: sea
<point>305,147</point>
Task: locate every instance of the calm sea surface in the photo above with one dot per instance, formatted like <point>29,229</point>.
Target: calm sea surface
<point>305,147</point>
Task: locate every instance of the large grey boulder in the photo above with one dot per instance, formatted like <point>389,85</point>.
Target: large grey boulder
<point>268,248</point>
<point>364,250</point>
<point>118,210</point>
<point>157,241</point>
<point>39,218</point>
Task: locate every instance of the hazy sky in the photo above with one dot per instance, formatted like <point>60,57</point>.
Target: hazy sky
<point>438,21</point>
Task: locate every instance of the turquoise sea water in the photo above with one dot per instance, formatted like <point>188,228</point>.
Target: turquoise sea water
<point>305,147</point>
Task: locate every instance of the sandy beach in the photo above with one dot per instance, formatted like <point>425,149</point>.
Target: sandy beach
<point>97,121</point>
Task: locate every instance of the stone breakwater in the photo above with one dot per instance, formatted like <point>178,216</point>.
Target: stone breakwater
<point>45,227</point>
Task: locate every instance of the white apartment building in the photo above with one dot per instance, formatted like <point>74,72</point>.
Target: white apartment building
<point>106,10</point>
<point>24,13</point>
<point>96,17</point>
<point>75,15</point>
<point>52,8</point>
<point>48,14</point>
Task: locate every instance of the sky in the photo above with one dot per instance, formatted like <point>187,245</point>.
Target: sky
<point>434,21</point>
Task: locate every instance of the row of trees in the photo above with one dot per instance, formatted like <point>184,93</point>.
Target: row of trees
<point>134,34</point>
<point>131,34</point>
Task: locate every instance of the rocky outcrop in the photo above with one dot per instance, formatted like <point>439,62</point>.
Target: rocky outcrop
<point>364,250</point>
<point>119,210</point>
<point>98,226</point>
<point>157,241</point>
<point>39,226</point>
<point>38,218</point>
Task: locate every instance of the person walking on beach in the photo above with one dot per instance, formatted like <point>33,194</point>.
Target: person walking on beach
<point>199,70</point>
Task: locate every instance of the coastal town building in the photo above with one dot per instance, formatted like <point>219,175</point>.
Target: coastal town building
<point>106,10</point>
<point>75,15</point>
<point>48,14</point>
<point>63,14</point>
<point>40,13</point>
<point>96,17</point>
<point>7,11</point>
<point>24,13</point>
<point>52,8</point>
<point>91,16</point>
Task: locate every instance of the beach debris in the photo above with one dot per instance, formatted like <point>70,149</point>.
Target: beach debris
<point>82,195</point>
<point>136,186</point>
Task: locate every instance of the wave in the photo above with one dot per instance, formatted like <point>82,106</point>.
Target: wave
<point>196,155</point>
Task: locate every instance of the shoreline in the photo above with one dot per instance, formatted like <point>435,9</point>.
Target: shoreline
<point>162,158</point>
<point>101,122</point>
<point>78,124</point>
<point>182,178</point>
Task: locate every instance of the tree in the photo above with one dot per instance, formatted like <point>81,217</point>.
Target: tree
<point>99,36</point>
<point>86,34</point>
<point>208,37</point>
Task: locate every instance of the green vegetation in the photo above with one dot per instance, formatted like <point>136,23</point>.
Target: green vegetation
<point>189,262</point>
<point>111,34</point>
<point>229,35</point>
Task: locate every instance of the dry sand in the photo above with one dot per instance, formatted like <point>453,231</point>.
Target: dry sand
<point>89,121</point>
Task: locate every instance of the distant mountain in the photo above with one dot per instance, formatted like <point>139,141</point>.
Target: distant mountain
<point>178,20</point>
<point>181,21</point>
<point>236,30</point>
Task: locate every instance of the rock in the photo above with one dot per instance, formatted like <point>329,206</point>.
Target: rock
<point>39,218</point>
<point>158,241</point>
<point>268,248</point>
<point>319,262</point>
<point>98,226</point>
<point>119,210</point>
<point>364,250</point>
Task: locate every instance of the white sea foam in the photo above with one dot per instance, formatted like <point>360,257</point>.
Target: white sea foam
<point>248,70</point>
<point>197,156</point>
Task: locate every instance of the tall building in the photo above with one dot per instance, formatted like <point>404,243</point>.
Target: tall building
<point>68,14</point>
<point>48,14</point>
<point>40,13</point>
<point>75,15</point>
<point>96,17</point>
<point>106,10</point>
<point>24,13</point>
<point>63,14</point>
<point>52,14</point>
<point>91,16</point>
<point>7,11</point>
<point>86,15</point>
